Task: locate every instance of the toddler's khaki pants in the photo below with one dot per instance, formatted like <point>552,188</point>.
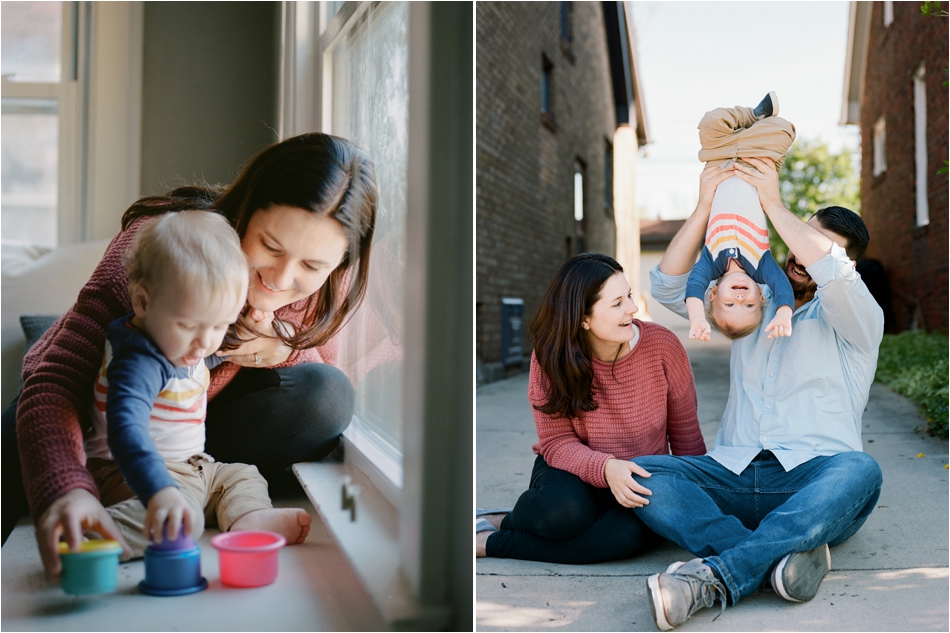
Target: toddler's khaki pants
<point>218,493</point>
<point>730,133</point>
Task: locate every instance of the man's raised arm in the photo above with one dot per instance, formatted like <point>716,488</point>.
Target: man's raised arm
<point>681,254</point>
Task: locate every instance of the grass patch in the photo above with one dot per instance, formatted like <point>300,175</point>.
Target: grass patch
<point>914,364</point>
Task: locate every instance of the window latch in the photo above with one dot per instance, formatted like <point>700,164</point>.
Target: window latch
<point>350,492</point>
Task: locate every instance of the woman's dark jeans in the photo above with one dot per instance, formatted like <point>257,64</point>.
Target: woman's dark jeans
<point>561,519</point>
<point>271,418</point>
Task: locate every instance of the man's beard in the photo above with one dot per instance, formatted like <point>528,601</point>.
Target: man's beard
<point>803,289</point>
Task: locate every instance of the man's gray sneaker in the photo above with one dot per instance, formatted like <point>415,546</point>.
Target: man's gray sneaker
<point>675,596</point>
<point>798,576</point>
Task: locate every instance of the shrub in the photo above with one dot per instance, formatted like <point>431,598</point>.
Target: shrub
<point>914,364</point>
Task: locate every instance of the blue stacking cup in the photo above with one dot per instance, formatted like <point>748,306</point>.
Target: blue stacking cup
<point>173,568</point>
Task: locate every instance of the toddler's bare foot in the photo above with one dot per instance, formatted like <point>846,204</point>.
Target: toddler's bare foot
<point>291,523</point>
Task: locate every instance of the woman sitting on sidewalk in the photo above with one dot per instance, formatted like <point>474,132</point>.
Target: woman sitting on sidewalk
<point>605,388</point>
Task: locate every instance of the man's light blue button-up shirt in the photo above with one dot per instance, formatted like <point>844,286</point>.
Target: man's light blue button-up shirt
<point>801,396</point>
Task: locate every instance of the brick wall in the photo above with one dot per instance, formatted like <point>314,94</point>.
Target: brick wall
<point>915,258</point>
<point>524,169</point>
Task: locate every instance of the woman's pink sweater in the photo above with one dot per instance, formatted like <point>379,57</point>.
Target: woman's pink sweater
<point>646,406</point>
<point>59,372</point>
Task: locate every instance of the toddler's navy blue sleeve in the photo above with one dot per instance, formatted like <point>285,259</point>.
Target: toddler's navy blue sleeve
<point>136,377</point>
<point>214,360</point>
<point>704,271</point>
<point>771,274</point>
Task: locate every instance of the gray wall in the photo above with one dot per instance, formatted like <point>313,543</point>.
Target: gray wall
<point>210,89</point>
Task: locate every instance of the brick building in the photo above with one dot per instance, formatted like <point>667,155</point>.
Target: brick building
<point>894,89</point>
<point>559,118</point>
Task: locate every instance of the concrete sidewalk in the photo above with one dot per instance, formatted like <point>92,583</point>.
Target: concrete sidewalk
<point>891,576</point>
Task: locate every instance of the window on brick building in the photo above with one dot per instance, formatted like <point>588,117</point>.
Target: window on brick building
<point>547,70</point>
<point>580,218</point>
<point>566,27</point>
<point>888,13</point>
<point>608,178</point>
<point>879,159</point>
<point>920,144</point>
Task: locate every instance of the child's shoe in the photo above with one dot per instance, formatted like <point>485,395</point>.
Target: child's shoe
<point>768,106</point>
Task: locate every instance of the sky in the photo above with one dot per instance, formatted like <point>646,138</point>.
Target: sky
<point>696,56</point>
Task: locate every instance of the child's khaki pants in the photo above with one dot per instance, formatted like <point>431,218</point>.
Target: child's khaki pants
<point>218,493</point>
<point>730,133</point>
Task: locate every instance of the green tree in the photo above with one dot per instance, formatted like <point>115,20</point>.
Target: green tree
<point>813,177</point>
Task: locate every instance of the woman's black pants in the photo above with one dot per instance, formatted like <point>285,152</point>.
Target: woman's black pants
<point>561,519</point>
<point>271,418</point>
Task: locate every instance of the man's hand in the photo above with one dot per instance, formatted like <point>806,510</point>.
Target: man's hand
<point>66,519</point>
<point>627,491</point>
<point>781,324</point>
<point>764,177</point>
<point>167,505</point>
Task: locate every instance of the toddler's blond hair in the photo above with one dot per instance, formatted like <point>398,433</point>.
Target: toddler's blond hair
<point>199,250</point>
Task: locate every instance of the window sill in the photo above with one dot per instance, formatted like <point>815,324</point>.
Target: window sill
<point>371,542</point>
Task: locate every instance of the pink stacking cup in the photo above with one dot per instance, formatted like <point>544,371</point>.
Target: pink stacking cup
<point>248,559</point>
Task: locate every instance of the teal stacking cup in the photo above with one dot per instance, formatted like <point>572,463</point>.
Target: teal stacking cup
<point>93,569</point>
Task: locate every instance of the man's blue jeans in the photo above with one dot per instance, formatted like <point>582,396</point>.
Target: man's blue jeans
<point>742,525</point>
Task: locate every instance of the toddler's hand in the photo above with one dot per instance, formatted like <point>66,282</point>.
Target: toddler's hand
<point>167,505</point>
<point>781,325</point>
<point>699,330</point>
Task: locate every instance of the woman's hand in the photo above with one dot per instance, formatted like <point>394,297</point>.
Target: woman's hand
<point>264,351</point>
<point>619,476</point>
<point>709,180</point>
<point>69,516</point>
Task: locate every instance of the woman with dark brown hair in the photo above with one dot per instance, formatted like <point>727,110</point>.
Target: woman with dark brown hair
<point>305,210</point>
<point>605,389</point>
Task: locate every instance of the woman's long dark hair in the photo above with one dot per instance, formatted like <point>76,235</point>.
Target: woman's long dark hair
<point>323,174</point>
<point>560,345</point>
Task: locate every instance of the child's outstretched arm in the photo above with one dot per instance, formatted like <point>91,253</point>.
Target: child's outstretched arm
<point>698,325</point>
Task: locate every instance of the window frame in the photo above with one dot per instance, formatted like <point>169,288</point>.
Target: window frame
<point>922,215</point>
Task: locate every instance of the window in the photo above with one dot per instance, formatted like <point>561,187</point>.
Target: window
<point>608,178</point>
<point>580,218</point>
<point>547,70</point>
<point>566,10</point>
<point>879,158</point>
<point>920,144</point>
<point>396,78</point>
<point>888,13</point>
<point>38,66</point>
<point>366,69</point>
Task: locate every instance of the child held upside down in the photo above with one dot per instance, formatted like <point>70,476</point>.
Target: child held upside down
<point>736,255</point>
<point>188,281</point>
